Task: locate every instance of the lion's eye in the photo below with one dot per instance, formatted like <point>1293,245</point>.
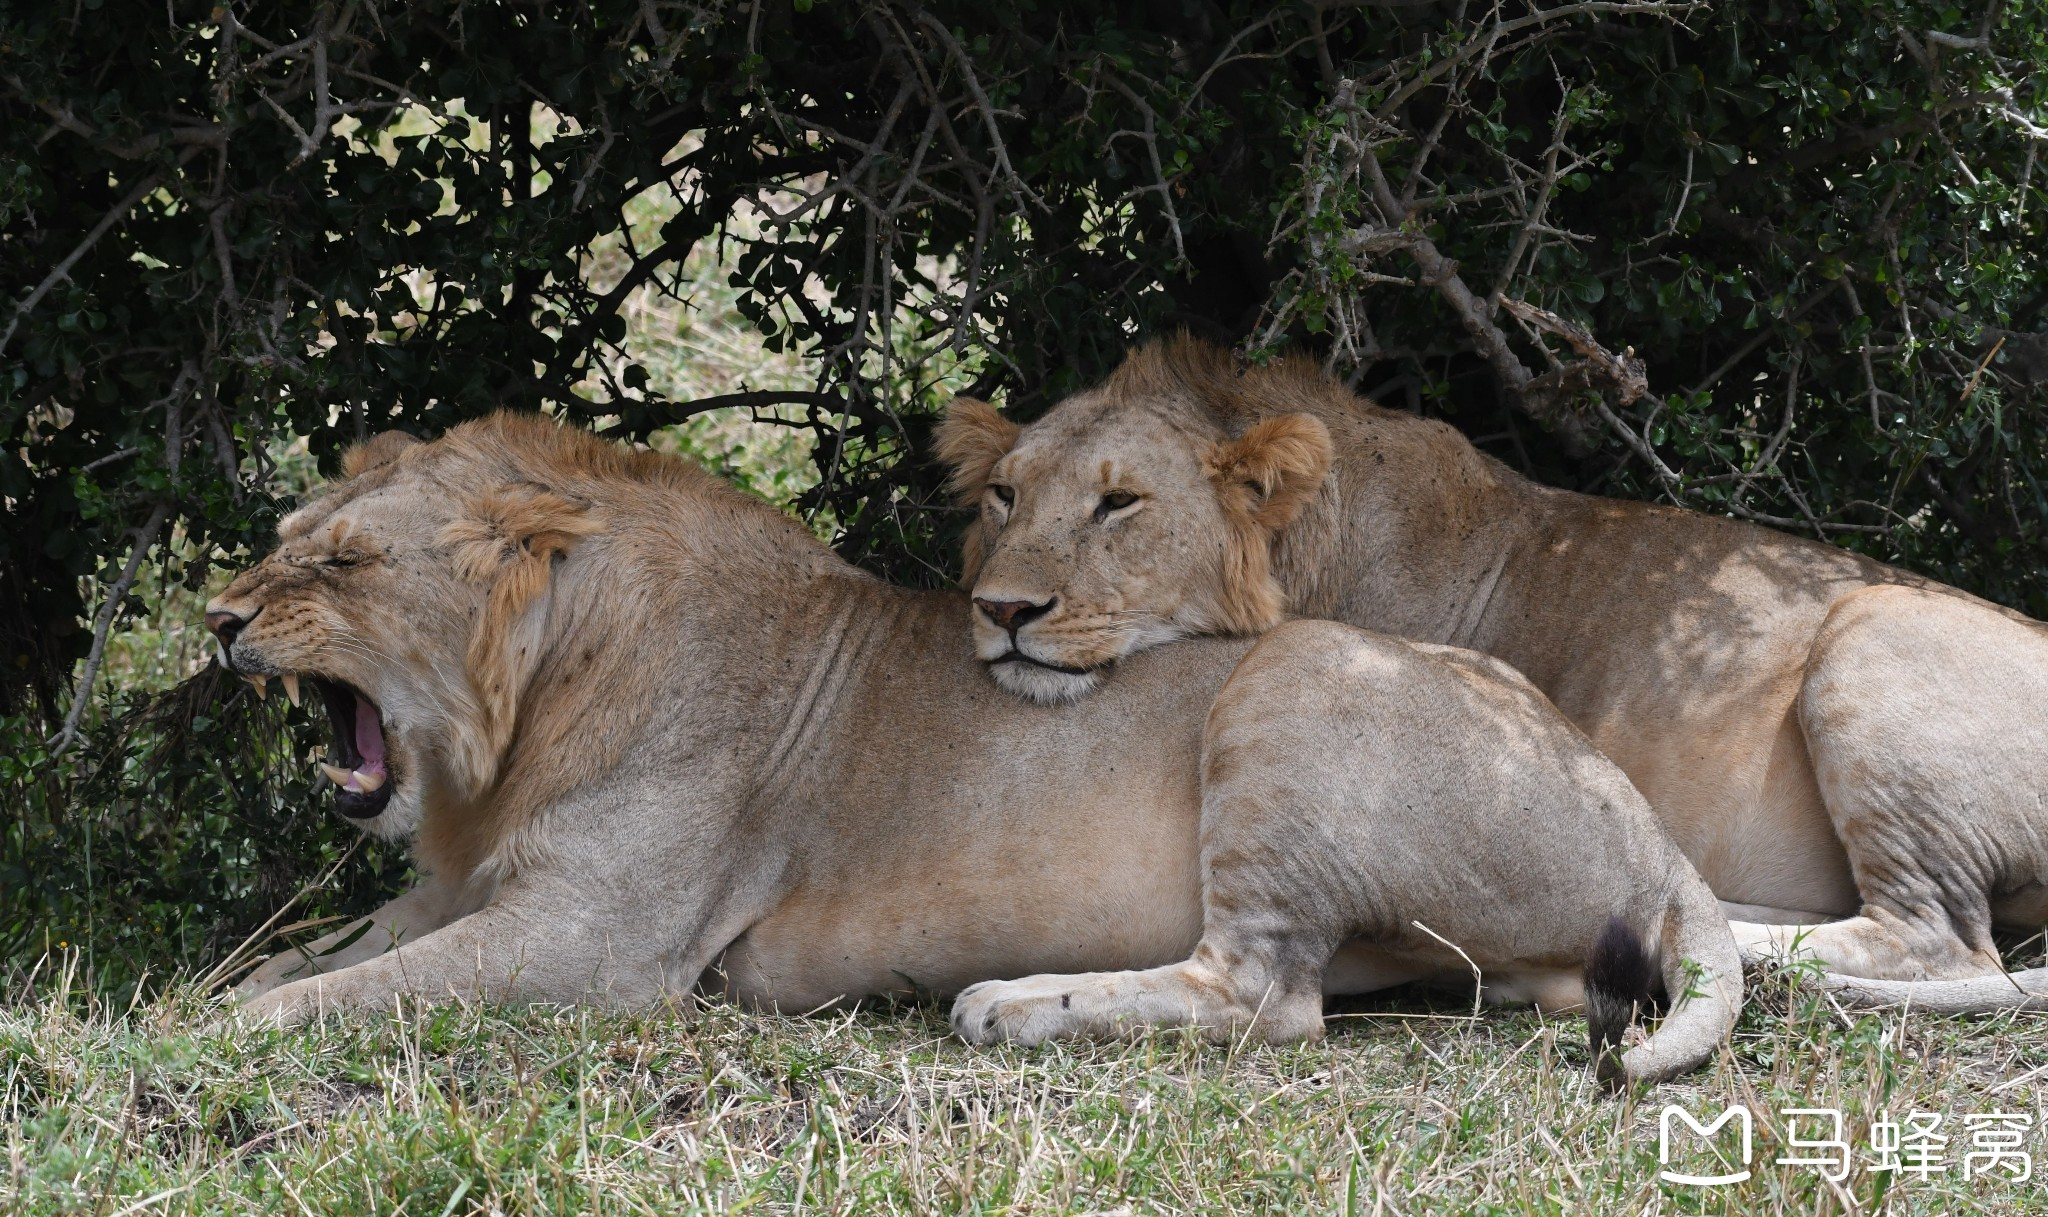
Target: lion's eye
<point>347,557</point>
<point>1004,495</point>
<point>1115,500</point>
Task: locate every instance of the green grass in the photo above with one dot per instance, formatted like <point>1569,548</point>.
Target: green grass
<point>1408,1107</point>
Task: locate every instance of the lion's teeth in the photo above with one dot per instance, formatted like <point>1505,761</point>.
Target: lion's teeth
<point>336,774</point>
<point>261,685</point>
<point>291,686</point>
<point>368,781</point>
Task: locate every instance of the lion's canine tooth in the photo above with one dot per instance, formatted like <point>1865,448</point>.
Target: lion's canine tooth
<point>291,686</point>
<point>368,781</point>
<point>261,684</point>
<point>336,774</point>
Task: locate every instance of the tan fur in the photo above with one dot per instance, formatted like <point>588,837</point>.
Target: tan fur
<point>1241,489</point>
<point>507,542</point>
<point>735,760</point>
<point>970,440</point>
<point>377,450</point>
<point>1750,683</point>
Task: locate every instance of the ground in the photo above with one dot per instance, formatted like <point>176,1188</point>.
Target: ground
<point>1409,1106</point>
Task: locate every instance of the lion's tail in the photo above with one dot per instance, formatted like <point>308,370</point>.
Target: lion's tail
<point>1702,975</point>
<point>1618,981</point>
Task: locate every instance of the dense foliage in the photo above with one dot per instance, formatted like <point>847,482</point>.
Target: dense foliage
<point>1778,260</point>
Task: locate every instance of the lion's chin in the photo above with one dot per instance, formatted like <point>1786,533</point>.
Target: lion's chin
<point>1047,686</point>
<point>395,821</point>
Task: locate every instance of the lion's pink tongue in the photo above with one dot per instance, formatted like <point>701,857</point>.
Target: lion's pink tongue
<point>369,737</point>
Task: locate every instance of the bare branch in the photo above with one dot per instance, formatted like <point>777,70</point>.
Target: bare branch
<point>1621,377</point>
<point>1979,42</point>
<point>1441,273</point>
<point>1488,43</point>
<point>103,623</point>
<point>108,459</point>
<point>1161,185</point>
<point>988,111</point>
<point>1534,214</point>
<point>114,215</point>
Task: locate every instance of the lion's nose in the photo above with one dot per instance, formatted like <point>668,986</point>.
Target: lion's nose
<point>226,626</point>
<point>1012,615</point>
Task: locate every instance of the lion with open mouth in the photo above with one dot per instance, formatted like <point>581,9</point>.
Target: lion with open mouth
<point>648,736</point>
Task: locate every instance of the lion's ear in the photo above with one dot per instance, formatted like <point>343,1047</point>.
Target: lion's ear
<point>509,539</point>
<point>379,449</point>
<point>1274,469</point>
<point>971,439</point>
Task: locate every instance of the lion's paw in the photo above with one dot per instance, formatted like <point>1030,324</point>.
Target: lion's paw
<point>1028,1011</point>
<point>1782,945</point>
<point>277,971</point>
<point>290,1005</point>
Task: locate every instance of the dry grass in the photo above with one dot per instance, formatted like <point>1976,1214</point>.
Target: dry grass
<point>1405,1108</point>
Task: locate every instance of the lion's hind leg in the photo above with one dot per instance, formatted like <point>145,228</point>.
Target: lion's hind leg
<point>1857,948</point>
<point>1926,717</point>
<point>1877,945</point>
<point>1221,992</point>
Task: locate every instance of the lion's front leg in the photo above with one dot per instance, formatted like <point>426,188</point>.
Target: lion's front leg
<point>502,953</point>
<point>419,912</point>
<point>1245,1000</point>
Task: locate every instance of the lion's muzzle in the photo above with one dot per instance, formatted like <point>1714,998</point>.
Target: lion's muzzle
<point>227,626</point>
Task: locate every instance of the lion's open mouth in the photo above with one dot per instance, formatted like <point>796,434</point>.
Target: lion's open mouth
<point>357,762</point>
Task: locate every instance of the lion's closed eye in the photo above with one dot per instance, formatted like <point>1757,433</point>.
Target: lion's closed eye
<point>347,558</point>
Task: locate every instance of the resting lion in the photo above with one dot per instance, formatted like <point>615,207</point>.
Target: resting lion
<point>645,733</point>
<point>1824,736</point>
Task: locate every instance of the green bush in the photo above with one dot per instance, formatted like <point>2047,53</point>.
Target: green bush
<point>1778,261</point>
<point>182,821</point>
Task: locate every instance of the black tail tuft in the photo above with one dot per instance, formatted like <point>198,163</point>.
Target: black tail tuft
<point>1619,977</point>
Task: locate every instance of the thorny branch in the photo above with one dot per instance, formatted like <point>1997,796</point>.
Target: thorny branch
<point>1371,192</point>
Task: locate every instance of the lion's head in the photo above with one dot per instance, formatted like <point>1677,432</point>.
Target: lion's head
<point>410,600</point>
<point>1105,529</point>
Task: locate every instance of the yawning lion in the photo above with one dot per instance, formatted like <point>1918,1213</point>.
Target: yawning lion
<point>646,733</point>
